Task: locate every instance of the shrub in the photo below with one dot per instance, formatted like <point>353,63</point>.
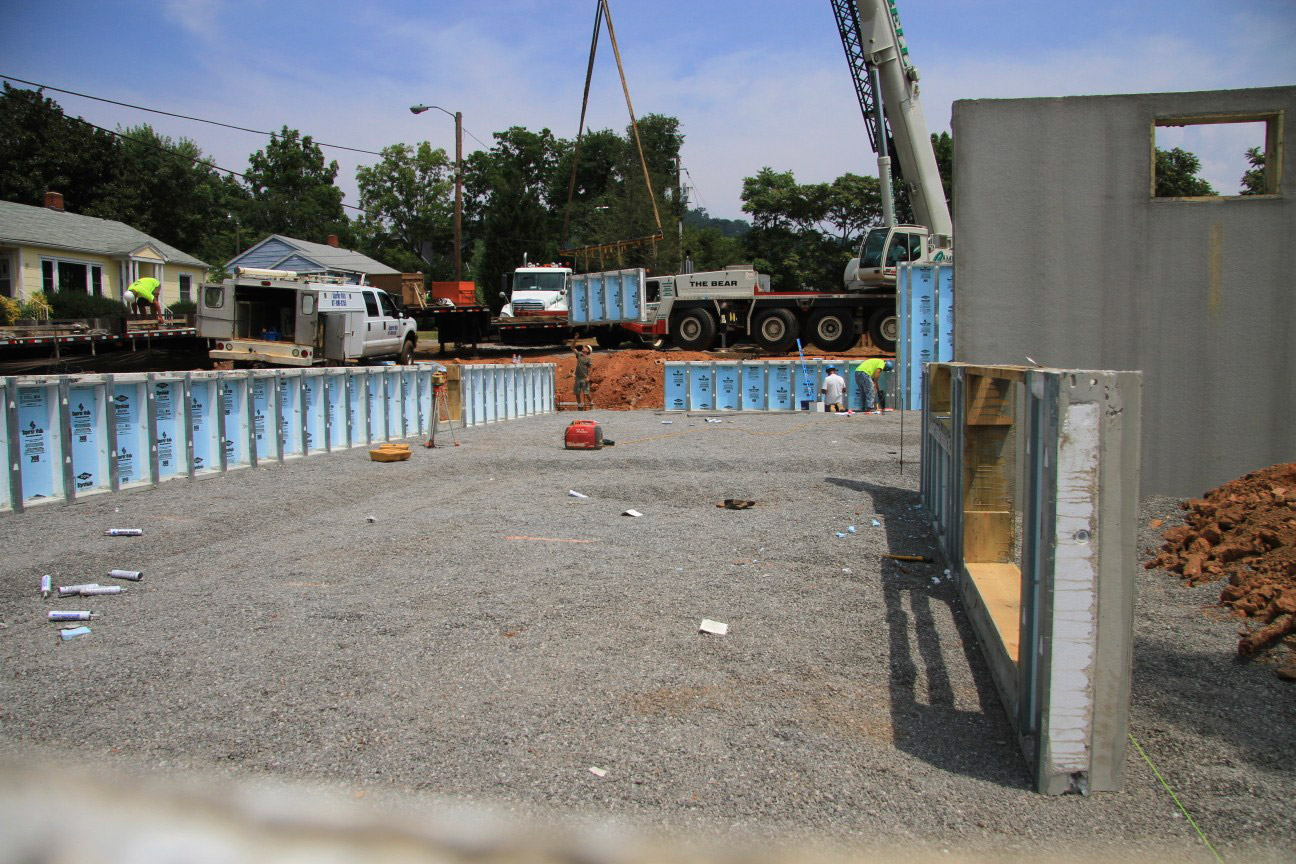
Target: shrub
<point>183,307</point>
<point>10,311</point>
<point>75,304</point>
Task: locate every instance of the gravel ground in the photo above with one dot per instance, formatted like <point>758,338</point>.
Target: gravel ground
<point>488,638</point>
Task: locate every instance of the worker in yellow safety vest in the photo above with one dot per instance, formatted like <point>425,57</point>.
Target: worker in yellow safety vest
<point>147,290</point>
<point>866,377</point>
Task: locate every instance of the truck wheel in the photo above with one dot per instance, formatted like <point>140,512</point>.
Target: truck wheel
<point>695,330</point>
<point>833,330</point>
<point>776,330</point>
<point>407,352</point>
<point>609,338</point>
<point>884,329</point>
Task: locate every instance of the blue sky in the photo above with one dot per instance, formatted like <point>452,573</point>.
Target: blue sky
<point>755,83</point>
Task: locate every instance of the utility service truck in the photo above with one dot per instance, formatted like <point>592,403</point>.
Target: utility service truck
<point>281,318</point>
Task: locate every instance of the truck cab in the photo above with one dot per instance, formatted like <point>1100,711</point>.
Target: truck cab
<point>280,318</point>
<point>884,249</point>
<point>538,290</point>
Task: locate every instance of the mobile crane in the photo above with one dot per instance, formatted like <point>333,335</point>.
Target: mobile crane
<point>886,83</point>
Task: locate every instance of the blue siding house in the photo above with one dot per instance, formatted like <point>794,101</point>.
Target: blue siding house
<point>277,252</point>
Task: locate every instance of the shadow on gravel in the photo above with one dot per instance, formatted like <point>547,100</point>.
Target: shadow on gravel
<point>1182,689</point>
<point>926,720</point>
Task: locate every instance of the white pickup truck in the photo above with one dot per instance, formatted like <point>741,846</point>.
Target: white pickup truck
<point>280,318</point>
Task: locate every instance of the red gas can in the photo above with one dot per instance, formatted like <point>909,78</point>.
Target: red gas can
<point>584,435</point>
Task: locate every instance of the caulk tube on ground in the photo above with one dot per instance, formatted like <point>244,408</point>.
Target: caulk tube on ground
<point>45,585</point>
<point>132,575</point>
<point>71,590</point>
<point>72,616</point>
<point>123,532</point>
<point>96,590</point>
<point>72,632</point>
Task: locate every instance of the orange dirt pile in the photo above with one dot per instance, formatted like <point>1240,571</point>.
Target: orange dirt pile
<point>1245,532</point>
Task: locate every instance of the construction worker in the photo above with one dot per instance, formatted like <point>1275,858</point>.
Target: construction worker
<point>866,376</point>
<point>582,385</point>
<point>147,290</point>
<point>834,391</point>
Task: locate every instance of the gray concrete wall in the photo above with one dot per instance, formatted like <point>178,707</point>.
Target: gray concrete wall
<point>1062,255</point>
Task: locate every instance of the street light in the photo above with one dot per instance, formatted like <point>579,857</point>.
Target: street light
<point>458,216</point>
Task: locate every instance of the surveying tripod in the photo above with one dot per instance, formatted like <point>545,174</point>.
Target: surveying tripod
<point>440,405</point>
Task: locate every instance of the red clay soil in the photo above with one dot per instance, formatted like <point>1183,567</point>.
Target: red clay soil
<point>630,379</point>
<point>1244,532</point>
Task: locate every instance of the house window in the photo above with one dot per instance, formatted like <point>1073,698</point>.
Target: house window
<point>6,282</point>
<point>59,274</point>
<point>186,287</point>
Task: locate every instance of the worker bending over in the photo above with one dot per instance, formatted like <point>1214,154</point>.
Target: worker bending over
<point>866,377</point>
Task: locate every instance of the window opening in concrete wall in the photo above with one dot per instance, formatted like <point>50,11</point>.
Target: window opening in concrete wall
<point>1216,155</point>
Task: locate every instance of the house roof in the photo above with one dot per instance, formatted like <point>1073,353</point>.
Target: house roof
<point>327,257</point>
<point>41,226</point>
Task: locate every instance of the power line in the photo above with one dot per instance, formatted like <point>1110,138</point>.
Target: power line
<point>179,116</point>
<point>200,119</point>
<point>193,159</point>
<point>693,184</point>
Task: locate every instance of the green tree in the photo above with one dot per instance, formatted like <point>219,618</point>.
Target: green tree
<point>43,150</point>
<point>513,204</point>
<point>854,204</point>
<point>291,191</point>
<point>170,191</point>
<point>408,197</point>
<point>1253,181</point>
<point>1176,175</point>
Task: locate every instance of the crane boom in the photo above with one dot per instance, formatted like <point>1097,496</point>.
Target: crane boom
<point>883,45</point>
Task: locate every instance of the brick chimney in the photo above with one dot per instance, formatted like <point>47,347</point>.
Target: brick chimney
<point>332,238</point>
<point>54,201</point>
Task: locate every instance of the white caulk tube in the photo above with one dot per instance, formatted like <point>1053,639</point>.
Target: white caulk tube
<point>72,632</point>
<point>45,585</point>
<point>72,616</point>
<point>96,590</point>
<point>132,575</point>
<point>123,532</point>
<point>71,590</point>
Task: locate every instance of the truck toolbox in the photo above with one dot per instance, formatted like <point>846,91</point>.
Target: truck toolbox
<point>458,293</point>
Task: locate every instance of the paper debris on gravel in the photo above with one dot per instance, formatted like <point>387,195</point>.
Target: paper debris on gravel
<point>719,628</point>
<point>573,493</point>
<point>631,513</point>
<point>597,771</point>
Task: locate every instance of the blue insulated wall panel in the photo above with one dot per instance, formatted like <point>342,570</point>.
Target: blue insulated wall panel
<point>631,288</point>
<point>168,412</point>
<point>290,416</point>
<point>264,399</point>
<point>392,401</point>
<point>130,423</point>
<point>728,391</point>
<point>89,429</point>
<point>338,411</point>
<point>612,293</point>
<point>578,305</point>
<point>597,307</point>
<point>500,376</point>
<point>409,384</point>
<point>234,400</point>
<point>38,444</point>
<point>203,425</point>
<point>754,394</point>
<point>676,387</point>
<point>944,314</point>
<point>315,406</point>
<point>782,386</point>
<point>373,382</point>
<point>358,407</point>
<point>701,387</point>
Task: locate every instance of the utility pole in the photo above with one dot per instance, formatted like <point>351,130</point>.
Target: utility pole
<point>458,217</point>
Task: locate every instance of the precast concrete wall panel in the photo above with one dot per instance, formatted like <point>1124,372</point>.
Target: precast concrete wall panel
<point>65,436</point>
<point>1064,256</point>
<point>611,297</point>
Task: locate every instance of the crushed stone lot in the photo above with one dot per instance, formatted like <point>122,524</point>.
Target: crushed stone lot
<point>488,638</point>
